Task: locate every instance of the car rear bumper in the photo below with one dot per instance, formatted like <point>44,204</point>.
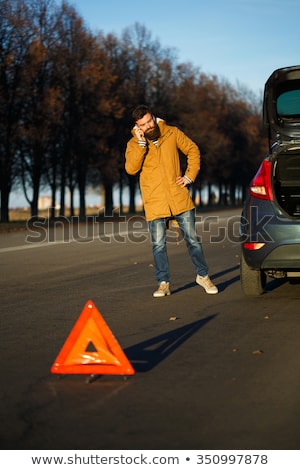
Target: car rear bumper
<point>286,257</point>
<point>280,238</point>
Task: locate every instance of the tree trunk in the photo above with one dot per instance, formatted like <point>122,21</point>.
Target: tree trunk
<point>71,201</point>
<point>82,212</point>
<point>53,201</point>
<point>132,189</point>
<point>121,206</point>
<point>108,199</point>
<point>4,205</point>
<point>62,194</point>
<point>34,204</point>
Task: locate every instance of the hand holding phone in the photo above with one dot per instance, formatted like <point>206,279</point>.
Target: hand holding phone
<point>139,133</point>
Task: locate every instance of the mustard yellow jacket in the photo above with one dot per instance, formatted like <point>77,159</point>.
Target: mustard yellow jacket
<point>159,166</point>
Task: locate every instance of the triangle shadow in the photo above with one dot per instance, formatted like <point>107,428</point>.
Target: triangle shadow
<point>146,355</point>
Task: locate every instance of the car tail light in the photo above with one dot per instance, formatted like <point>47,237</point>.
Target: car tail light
<point>254,246</point>
<point>260,186</point>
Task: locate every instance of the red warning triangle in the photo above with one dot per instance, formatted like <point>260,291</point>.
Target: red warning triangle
<point>91,348</point>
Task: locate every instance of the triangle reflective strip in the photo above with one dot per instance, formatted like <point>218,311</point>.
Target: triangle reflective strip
<point>107,357</point>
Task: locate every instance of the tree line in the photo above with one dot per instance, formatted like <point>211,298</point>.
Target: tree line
<point>66,98</point>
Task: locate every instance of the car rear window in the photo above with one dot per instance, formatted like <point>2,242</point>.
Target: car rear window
<point>288,104</point>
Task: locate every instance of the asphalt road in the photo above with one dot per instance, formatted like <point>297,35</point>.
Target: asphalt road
<point>211,371</point>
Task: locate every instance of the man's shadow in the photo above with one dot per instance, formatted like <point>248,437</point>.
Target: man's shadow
<point>221,286</point>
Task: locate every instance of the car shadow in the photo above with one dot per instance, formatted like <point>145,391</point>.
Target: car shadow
<point>274,284</point>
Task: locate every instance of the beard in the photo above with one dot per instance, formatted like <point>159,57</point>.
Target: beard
<point>153,134</point>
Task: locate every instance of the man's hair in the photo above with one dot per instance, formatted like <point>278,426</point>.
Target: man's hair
<point>140,111</point>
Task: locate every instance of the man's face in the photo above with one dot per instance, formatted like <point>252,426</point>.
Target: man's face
<point>147,123</point>
<point>149,126</point>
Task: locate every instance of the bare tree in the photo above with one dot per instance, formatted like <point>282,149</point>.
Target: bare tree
<point>14,38</point>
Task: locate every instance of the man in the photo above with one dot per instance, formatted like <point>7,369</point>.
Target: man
<point>153,151</point>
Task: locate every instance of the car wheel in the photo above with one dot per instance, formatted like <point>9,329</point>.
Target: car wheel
<point>253,281</point>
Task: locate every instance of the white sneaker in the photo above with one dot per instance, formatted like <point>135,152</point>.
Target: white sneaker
<point>207,284</point>
<point>163,289</point>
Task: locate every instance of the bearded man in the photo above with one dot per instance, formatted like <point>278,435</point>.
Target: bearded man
<point>153,152</point>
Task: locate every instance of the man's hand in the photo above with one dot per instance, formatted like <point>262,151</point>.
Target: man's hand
<point>139,133</point>
<point>182,181</point>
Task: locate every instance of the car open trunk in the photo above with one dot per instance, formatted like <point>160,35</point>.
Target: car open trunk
<point>281,106</point>
<point>286,180</point>
<point>281,116</point>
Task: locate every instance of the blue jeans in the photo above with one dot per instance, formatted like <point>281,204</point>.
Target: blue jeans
<point>187,224</point>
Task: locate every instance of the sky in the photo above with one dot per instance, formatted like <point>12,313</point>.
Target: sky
<point>240,41</point>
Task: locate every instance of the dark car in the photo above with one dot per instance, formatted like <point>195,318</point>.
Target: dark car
<point>270,221</point>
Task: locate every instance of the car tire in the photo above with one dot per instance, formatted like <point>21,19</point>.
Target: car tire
<point>253,281</point>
